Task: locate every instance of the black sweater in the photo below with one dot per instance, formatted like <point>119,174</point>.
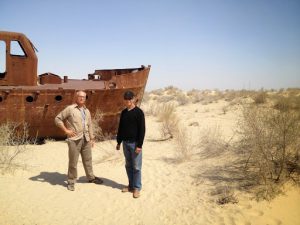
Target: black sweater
<point>132,126</point>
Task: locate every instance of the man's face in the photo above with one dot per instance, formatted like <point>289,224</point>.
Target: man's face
<point>129,102</point>
<point>81,97</point>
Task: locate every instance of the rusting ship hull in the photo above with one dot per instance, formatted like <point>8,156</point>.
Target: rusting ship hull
<point>37,105</point>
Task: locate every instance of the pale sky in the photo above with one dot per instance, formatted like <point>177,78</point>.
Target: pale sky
<point>224,44</point>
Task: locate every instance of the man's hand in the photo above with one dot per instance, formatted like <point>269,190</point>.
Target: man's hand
<point>118,147</point>
<point>70,133</point>
<point>92,143</point>
<point>138,150</point>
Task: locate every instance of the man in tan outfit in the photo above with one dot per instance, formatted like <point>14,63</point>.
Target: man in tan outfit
<point>75,120</point>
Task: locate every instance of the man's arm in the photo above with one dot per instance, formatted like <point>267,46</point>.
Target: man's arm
<point>119,138</point>
<point>91,130</point>
<point>141,130</point>
<point>59,122</point>
<point>90,126</point>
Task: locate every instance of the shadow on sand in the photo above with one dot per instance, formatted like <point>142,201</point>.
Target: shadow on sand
<point>55,178</point>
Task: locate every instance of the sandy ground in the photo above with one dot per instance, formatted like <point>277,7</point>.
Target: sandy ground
<point>173,193</point>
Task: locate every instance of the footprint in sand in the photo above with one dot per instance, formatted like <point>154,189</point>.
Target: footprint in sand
<point>246,206</point>
<point>256,213</point>
<point>274,221</point>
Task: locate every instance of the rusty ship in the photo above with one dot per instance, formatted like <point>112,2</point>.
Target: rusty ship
<point>35,100</point>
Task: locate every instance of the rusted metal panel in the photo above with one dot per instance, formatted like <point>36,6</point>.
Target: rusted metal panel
<point>20,70</point>
<point>49,78</point>
<point>36,100</point>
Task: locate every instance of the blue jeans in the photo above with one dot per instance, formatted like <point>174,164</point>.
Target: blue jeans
<point>133,165</point>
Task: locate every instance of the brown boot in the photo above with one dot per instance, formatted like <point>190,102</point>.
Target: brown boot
<point>127,189</point>
<point>136,193</point>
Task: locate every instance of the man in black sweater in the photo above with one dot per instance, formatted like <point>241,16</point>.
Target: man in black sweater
<point>132,132</point>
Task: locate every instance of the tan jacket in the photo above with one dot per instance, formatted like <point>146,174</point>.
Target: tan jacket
<point>71,117</point>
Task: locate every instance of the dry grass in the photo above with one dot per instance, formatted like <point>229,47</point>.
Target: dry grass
<point>225,109</point>
<point>283,103</point>
<point>183,143</point>
<point>146,97</point>
<point>205,97</point>
<point>157,92</point>
<point>182,98</point>
<point>13,143</point>
<point>169,94</point>
<point>97,118</point>
<point>225,195</point>
<point>150,109</point>
<point>265,149</point>
<point>171,128</point>
<point>171,90</point>
<point>169,120</point>
<point>260,97</point>
<point>212,142</point>
<point>195,96</point>
<point>270,143</point>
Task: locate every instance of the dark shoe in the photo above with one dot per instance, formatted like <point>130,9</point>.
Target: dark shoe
<point>136,193</point>
<point>96,180</point>
<point>71,187</point>
<point>127,189</point>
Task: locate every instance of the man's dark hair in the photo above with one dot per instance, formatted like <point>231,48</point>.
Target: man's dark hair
<point>128,95</point>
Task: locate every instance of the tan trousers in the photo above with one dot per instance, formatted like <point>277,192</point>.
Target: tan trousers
<point>83,148</point>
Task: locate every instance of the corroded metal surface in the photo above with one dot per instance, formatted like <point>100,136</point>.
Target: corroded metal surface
<point>36,100</point>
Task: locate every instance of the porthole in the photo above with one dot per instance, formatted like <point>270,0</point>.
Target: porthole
<point>58,98</point>
<point>29,99</point>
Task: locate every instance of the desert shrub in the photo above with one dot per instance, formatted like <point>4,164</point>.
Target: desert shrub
<point>235,95</point>
<point>229,95</point>
<point>164,111</point>
<point>226,195</point>
<point>165,98</point>
<point>167,117</point>
<point>182,99</point>
<point>192,92</point>
<point>260,98</point>
<point>173,94</point>
<point>218,95</point>
<point>244,93</point>
<point>195,96</point>
<point>171,90</point>
<point>205,96</point>
<point>283,103</point>
<point>158,92</point>
<point>146,97</point>
<point>225,109</point>
<point>183,143</point>
<point>293,91</point>
<point>151,109</point>
<point>13,142</point>
<point>208,100</point>
<point>212,142</point>
<point>169,126</point>
<point>270,142</point>
<point>97,118</point>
